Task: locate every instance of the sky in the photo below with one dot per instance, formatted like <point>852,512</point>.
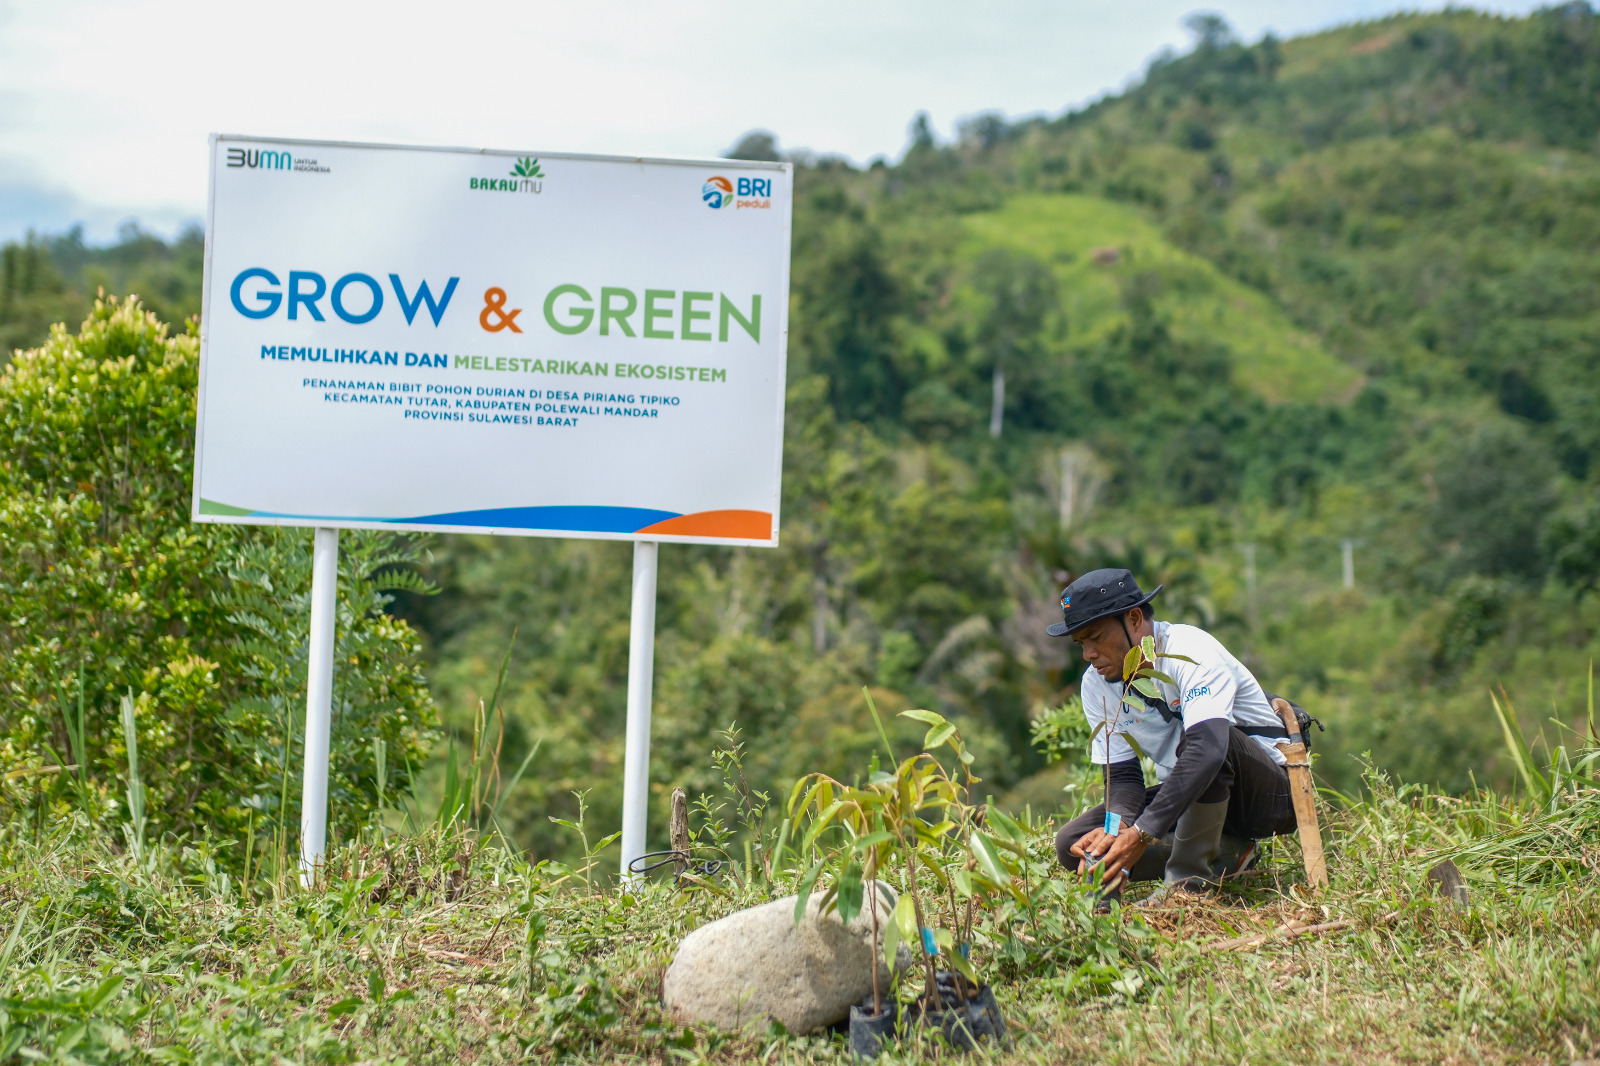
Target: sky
<point>105,105</point>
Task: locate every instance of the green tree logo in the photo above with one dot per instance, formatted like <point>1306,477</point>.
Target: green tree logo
<point>527,168</point>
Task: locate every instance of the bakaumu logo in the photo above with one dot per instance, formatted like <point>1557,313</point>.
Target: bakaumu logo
<point>526,176</point>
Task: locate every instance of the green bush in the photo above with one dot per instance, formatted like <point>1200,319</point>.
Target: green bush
<point>107,587</point>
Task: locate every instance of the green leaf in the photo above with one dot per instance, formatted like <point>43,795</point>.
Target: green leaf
<point>1130,663</point>
<point>821,823</point>
<point>1134,744</point>
<point>872,840</point>
<point>850,893</point>
<point>348,1005</point>
<point>1148,647</point>
<point>1180,658</point>
<point>926,717</point>
<point>1537,784</point>
<point>989,860</point>
<point>104,991</point>
<point>1151,671</point>
<point>1148,687</point>
<point>938,735</point>
<point>1004,824</point>
<point>905,918</point>
<point>807,883</point>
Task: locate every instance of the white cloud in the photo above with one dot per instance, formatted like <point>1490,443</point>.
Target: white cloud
<point>105,104</point>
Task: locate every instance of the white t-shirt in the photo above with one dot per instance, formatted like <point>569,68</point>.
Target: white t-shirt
<point>1215,685</point>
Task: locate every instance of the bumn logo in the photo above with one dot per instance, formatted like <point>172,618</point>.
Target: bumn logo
<point>526,176</point>
<point>265,158</point>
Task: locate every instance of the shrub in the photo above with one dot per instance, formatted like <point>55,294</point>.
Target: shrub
<point>107,587</point>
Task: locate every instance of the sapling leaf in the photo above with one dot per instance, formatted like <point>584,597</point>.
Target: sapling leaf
<point>878,777</point>
<point>1134,744</point>
<point>1003,824</point>
<point>1148,687</point>
<point>962,879</point>
<point>794,793</point>
<point>891,941</point>
<point>938,735</point>
<point>1160,676</point>
<point>905,918</point>
<point>926,717</point>
<point>1130,663</point>
<point>989,861</point>
<point>1137,705</point>
<point>850,893</point>
<point>1180,658</point>
<point>1148,647</point>
<point>872,840</point>
<point>807,883</point>
<point>821,823</point>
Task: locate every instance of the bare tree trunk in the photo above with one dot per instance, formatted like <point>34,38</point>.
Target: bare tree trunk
<point>819,611</point>
<point>997,409</point>
<point>680,828</point>
<point>1069,486</point>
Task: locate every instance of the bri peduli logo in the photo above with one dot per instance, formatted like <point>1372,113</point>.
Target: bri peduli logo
<point>526,176</point>
<point>719,192</point>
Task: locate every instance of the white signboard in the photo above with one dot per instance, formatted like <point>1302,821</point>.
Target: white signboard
<point>493,342</point>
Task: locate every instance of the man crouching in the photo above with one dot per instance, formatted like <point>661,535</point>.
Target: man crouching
<point>1212,735</point>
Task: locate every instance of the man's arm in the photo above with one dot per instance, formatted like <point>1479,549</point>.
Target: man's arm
<point>1126,793</point>
<point>1204,749</point>
<point>1205,746</point>
<point>1125,798</point>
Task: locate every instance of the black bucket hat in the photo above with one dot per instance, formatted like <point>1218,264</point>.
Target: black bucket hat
<point>1096,595</point>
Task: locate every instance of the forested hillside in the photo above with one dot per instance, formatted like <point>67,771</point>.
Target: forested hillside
<point>1277,296</point>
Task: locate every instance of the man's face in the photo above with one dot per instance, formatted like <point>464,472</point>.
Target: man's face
<point>1104,646</point>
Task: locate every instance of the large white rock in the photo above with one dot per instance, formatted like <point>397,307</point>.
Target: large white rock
<point>758,964</point>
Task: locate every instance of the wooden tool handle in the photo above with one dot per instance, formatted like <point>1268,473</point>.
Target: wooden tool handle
<point>1303,794</point>
<point>1286,713</point>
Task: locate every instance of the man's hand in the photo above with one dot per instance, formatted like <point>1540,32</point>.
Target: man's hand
<point>1090,847</point>
<point>1118,853</point>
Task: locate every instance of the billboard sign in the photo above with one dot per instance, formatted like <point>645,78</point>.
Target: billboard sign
<point>494,342</point>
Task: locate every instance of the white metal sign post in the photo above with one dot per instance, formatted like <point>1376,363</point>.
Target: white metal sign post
<point>319,701</point>
<point>514,343</point>
<point>641,678</point>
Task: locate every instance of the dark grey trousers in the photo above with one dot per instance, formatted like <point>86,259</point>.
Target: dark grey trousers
<point>1256,790</point>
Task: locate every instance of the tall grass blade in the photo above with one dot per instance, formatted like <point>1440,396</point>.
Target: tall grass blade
<point>873,707</point>
<point>1538,786</point>
<point>1593,736</point>
<point>130,737</point>
<point>512,784</point>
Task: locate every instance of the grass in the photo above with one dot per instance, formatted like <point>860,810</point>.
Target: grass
<point>1270,356</point>
<point>442,948</point>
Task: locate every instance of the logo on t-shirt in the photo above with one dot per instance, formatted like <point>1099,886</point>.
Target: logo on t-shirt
<point>1198,691</point>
